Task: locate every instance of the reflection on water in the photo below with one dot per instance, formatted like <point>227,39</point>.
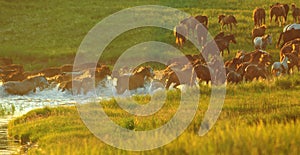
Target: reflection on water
<point>15,105</point>
<point>7,146</point>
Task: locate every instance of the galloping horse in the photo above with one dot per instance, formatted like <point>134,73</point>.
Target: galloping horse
<point>24,87</point>
<point>134,81</point>
<point>227,20</point>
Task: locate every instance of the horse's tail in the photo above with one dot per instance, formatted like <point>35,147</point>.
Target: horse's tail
<point>277,45</point>
<point>234,20</point>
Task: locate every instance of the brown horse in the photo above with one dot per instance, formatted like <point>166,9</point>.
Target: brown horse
<point>278,11</point>
<point>289,47</point>
<point>258,32</point>
<point>259,16</point>
<point>288,36</point>
<point>227,20</point>
<point>182,76</point>
<point>26,86</point>
<point>295,13</point>
<point>134,81</point>
<point>286,8</point>
<point>219,45</point>
<point>202,19</point>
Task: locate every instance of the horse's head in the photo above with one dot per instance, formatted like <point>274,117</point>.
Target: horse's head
<point>232,38</point>
<point>39,81</point>
<point>221,17</point>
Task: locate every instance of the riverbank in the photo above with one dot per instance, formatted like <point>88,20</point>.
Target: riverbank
<point>257,118</point>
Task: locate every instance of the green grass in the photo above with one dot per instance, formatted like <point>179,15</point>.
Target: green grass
<point>257,118</point>
<point>39,34</point>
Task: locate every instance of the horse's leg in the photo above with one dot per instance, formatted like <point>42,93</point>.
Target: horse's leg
<point>228,50</point>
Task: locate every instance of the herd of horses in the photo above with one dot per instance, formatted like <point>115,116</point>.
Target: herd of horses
<point>248,65</point>
<point>206,66</point>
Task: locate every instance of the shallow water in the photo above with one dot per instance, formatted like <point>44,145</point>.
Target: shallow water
<point>15,105</point>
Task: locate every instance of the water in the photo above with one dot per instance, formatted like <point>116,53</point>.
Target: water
<point>15,105</point>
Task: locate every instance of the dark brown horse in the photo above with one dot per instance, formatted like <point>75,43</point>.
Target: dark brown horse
<point>134,81</point>
<point>202,19</point>
<point>227,20</point>
<point>259,16</point>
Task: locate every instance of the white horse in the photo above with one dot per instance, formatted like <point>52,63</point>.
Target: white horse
<point>291,26</point>
<point>280,67</point>
<point>26,86</point>
<point>262,42</point>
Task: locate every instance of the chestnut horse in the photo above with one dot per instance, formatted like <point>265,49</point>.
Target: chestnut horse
<point>134,81</point>
<point>259,16</point>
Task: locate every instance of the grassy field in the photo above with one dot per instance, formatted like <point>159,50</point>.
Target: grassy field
<point>257,117</point>
<point>39,34</point>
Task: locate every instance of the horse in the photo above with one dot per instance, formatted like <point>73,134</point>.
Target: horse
<point>202,72</point>
<point>227,20</point>
<point>258,57</point>
<point>253,71</point>
<point>134,81</point>
<point>224,43</point>
<point>278,11</point>
<point>288,36</point>
<point>295,13</point>
<point>202,19</point>
<point>262,42</point>
<point>285,6</point>
<point>219,45</point>
<point>233,77</point>
<point>259,16</point>
<point>280,67</point>
<point>25,86</point>
<point>258,32</point>
<point>180,33</point>
<point>291,26</point>
<point>289,47</point>
<point>182,76</point>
